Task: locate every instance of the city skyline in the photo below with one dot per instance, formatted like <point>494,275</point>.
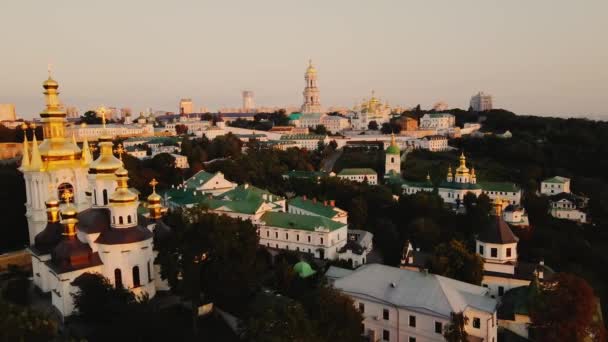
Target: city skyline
<point>529,60</point>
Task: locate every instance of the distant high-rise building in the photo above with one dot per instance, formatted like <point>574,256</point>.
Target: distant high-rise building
<point>481,102</point>
<point>248,104</point>
<point>312,103</point>
<point>7,112</point>
<point>185,106</point>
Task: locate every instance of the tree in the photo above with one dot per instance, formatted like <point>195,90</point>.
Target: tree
<point>425,233</point>
<point>372,125</point>
<point>19,323</point>
<point>90,118</point>
<point>454,331</point>
<point>277,319</point>
<point>565,310</point>
<point>181,129</point>
<point>230,273</point>
<point>335,315</point>
<point>320,129</point>
<point>453,260</point>
<point>98,301</point>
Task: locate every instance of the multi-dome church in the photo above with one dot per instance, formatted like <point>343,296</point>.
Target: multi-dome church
<point>82,216</point>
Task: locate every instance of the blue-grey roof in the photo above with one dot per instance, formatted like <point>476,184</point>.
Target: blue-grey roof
<point>416,291</point>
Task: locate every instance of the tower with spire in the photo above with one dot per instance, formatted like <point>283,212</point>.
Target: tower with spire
<point>312,102</point>
<point>94,226</point>
<point>56,160</point>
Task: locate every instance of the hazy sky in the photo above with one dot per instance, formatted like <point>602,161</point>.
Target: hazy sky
<point>545,57</point>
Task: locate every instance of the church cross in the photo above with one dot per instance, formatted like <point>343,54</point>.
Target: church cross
<point>153,183</point>
<point>119,150</point>
<point>67,195</point>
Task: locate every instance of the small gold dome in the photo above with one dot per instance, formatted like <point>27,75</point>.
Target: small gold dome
<point>50,83</point>
<point>154,198</point>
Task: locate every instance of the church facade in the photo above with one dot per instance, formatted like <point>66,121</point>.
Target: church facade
<point>82,217</point>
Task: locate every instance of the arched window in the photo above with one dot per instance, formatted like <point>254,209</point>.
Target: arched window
<point>105,197</point>
<point>136,282</point>
<point>129,219</point>
<point>120,220</point>
<point>117,278</point>
<point>392,159</point>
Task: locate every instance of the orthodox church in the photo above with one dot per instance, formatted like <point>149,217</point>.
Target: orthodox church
<point>82,217</point>
<point>370,110</point>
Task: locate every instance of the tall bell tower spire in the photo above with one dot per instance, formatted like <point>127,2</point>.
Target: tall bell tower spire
<point>312,103</point>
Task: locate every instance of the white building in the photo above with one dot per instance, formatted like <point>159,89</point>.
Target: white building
<point>404,305</point>
<point>305,141</point>
<point>368,111</point>
<point>434,143</point>
<point>93,132</point>
<point>457,185</point>
<point>555,185</point>
<point>481,102</point>
<point>412,187</point>
<point>181,162</point>
<point>515,215</point>
<point>316,235</point>
<point>359,175</point>
<point>98,228</point>
<point>568,206</point>
<point>335,123</point>
<point>563,204</point>
<point>439,121</point>
<point>359,244</point>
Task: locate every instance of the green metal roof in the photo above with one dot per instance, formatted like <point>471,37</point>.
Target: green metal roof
<point>303,269</point>
<point>306,174</point>
<point>247,192</point>
<point>393,149</point>
<point>198,179</point>
<point>299,222</point>
<point>190,197</point>
<point>314,207</point>
<point>459,186</point>
<point>357,171</point>
<point>425,184</point>
<point>499,186</point>
<point>556,179</point>
<point>295,116</point>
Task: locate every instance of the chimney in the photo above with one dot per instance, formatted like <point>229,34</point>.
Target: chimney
<point>410,259</point>
<point>393,285</point>
<point>325,203</point>
<point>314,200</point>
<point>332,203</point>
<point>304,197</point>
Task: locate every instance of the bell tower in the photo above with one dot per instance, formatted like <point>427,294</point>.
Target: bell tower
<point>312,103</point>
<point>54,165</point>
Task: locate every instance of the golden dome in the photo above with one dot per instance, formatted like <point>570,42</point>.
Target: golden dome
<point>462,169</point>
<point>50,83</point>
<point>122,193</point>
<point>311,69</point>
<point>107,162</point>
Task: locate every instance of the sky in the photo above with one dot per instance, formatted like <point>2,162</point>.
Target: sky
<point>540,57</point>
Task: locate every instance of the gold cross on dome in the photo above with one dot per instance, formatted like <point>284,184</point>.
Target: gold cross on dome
<point>153,183</point>
<point>119,150</point>
<point>67,195</point>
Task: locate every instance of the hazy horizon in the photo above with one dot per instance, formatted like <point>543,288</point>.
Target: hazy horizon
<point>539,58</point>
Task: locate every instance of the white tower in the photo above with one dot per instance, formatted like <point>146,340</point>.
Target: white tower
<point>392,163</point>
<point>55,165</point>
<point>312,103</point>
